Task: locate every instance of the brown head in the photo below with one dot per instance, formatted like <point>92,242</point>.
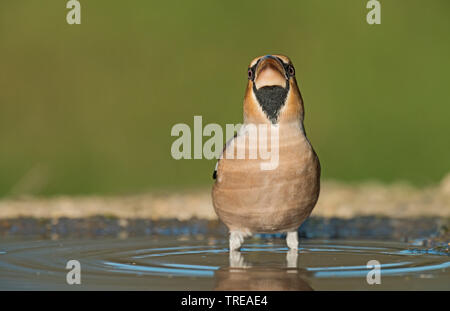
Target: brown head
<point>272,94</point>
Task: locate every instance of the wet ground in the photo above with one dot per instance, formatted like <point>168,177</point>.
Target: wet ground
<point>122,254</point>
<point>365,227</point>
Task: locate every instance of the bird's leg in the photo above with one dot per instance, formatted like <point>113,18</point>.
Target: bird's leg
<point>292,240</point>
<point>236,240</point>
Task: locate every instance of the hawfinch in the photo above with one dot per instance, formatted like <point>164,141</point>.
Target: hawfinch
<point>255,194</point>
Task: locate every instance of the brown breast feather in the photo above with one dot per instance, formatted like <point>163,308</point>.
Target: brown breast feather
<point>250,199</point>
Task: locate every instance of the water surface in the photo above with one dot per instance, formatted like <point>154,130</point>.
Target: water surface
<point>188,263</point>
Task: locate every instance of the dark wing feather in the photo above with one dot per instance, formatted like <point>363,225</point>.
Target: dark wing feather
<point>223,150</point>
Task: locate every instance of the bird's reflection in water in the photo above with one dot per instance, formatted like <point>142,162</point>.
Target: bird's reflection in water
<point>241,275</point>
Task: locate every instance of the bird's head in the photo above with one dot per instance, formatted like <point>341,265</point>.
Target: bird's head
<point>272,93</point>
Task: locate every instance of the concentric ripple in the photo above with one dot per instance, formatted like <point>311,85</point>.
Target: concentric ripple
<point>170,264</point>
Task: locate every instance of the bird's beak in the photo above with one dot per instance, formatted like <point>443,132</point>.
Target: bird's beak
<point>270,72</point>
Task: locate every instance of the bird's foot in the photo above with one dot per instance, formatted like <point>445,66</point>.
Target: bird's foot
<point>236,239</point>
<point>292,240</point>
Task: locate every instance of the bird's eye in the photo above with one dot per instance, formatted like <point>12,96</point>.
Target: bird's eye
<point>291,71</point>
<point>250,74</point>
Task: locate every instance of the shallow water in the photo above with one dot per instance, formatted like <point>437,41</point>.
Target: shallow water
<point>180,263</point>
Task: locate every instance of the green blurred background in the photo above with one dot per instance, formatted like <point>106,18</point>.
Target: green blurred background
<point>89,108</point>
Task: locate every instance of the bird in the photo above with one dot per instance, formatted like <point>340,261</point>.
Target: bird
<point>249,198</point>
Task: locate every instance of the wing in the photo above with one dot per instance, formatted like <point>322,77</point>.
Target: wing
<point>223,150</point>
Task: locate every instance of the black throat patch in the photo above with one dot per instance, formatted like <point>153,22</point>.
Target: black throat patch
<point>271,99</point>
